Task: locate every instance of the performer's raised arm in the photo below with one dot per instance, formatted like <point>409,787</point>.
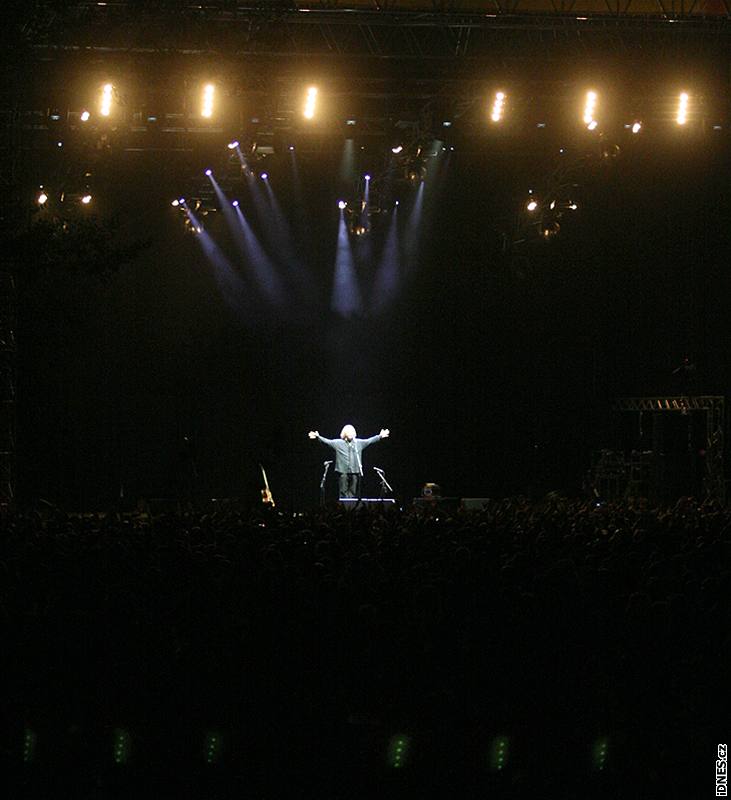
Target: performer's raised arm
<point>384,434</point>
<point>316,435</point>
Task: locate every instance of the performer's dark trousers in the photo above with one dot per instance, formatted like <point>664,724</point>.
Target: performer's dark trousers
<point>349,484</point>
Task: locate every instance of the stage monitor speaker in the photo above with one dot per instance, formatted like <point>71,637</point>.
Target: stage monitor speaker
<point>474,503</point>
<point>446,503</point>
<point>387,503</point>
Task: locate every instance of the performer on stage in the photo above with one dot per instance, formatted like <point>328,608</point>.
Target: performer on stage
<point>348,463</point>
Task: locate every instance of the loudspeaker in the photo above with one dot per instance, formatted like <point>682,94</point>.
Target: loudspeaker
<point>474,503</point>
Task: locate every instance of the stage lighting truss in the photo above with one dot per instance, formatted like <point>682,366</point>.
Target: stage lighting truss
<point>191,227</point>
<point>415,170</point>
<point>608,149</point>
<point>202,206</point>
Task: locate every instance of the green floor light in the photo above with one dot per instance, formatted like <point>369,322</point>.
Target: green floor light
<point>213,747</point>
<point>600,753</point>
<point>398,751</point>
<point>121,745</point>
<point>499,750</point>
<point>29,746</point>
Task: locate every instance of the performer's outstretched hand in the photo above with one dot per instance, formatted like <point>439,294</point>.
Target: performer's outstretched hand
<point>385,433</point>
<point>313,434</point>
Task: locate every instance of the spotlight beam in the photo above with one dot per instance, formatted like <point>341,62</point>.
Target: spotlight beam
<point>264,270</point>
<point>346,298</point>
<point>389,270</point>
<point>230,285</point>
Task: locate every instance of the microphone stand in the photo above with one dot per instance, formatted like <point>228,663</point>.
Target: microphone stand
<point>322,482</point>
<point>385,486</point>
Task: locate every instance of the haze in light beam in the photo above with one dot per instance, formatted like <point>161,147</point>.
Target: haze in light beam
<point>413,228</point>
<point>387,279</point>
<point>346,299</point>
<point>295,272</point>
<point>229,282</point>
<point>264,270</point>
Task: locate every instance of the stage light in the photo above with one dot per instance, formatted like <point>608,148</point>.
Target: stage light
<point>498,106</point>
<point>342,204</point>
<point>398,749</point>
<point>600,751</point>
<point>550,228</point>
<point>291,148</point>
<point>395,150</point>
<point>175,203</point>
<point>396,203</point>
<point>122,742</point>
<point>350,122</point>
<point>208,173</point>
<point>499,750</point>
<point>264,175</point>
<point>367,177</point>
<point>235,204</point>
<point>310,102</point>
<point>85,115</point>
<point>54,116</point>
<point>105,106</point>
<point>86,199</point>
<point>682,115</point>
<point>636,127</point>
<point>42,198</point>
<point>182,201</point>
<point>59,144</point>
<point>232,145</point>
<point>532,204</point>
<point>213,747</point>
<point>589,109</point>
<point>573,206</point>
<point>209,90</point>
<point>29,745</point>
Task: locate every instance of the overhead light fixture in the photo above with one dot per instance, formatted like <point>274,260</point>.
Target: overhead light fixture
<point>682,115</point>
<point>310,102</point>
<point>498,106</point>
<point>105,105</point>
<point>589,109</point>
<point>209,90</point>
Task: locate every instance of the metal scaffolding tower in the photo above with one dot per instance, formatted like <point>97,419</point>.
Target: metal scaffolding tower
<point>10,214</point>
<point>713,407</point>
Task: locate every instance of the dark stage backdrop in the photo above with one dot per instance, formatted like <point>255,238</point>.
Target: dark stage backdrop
<point>493,374</point>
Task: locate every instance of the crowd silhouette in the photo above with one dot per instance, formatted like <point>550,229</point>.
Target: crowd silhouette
<point>303,643</point>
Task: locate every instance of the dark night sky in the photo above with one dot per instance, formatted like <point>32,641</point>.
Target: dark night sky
<point>492,375</point>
